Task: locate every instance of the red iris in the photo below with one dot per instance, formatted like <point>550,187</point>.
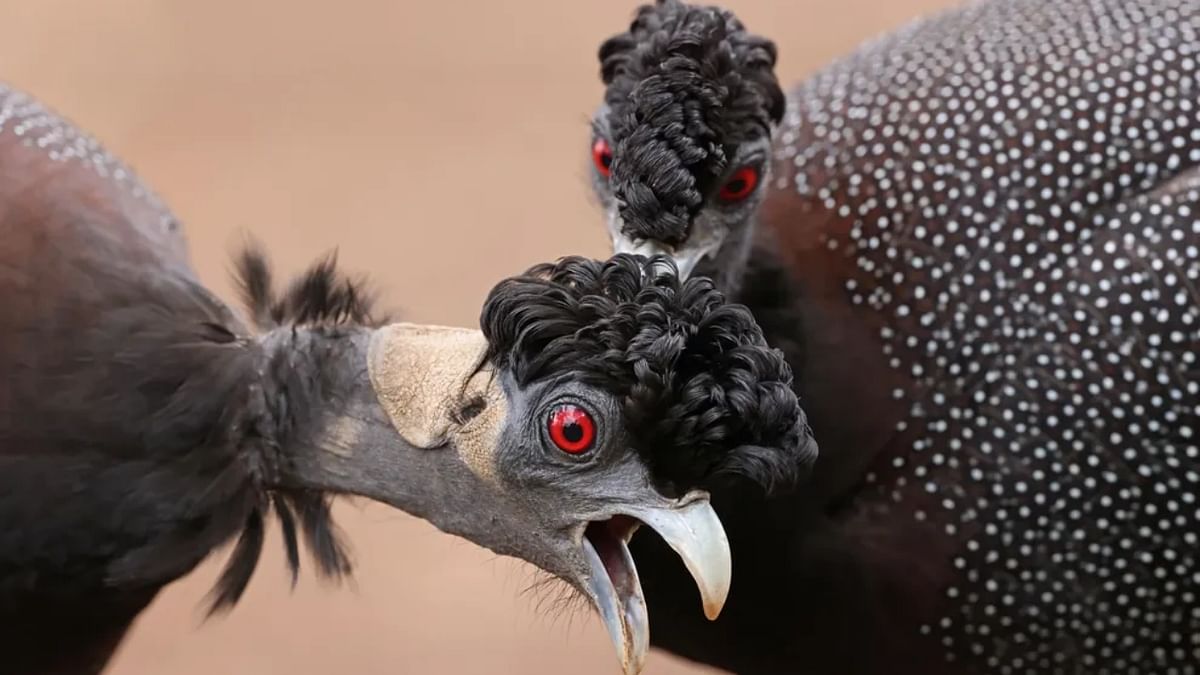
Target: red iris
<point>572,429</point>
<point>740,185</point>
<point>602,157</point>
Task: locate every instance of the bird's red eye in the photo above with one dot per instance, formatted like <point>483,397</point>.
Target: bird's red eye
<point>602,157</point>
<point>572,429</point>
<point>740,185</point>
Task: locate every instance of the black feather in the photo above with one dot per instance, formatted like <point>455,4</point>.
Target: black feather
<point>240,567</point>
<point>770,291</point>
<point>256,286</point>
<point>320,296</point>
<point>287,524</point>
<point>321,534</point>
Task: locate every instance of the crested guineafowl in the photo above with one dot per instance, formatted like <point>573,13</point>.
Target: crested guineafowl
<point>977,239</point>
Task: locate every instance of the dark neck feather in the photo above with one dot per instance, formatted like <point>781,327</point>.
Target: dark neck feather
<point>311,328</point>
<point>819,338</point>
<point>765,286</point>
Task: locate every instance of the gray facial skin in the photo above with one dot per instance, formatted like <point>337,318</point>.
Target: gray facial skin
<point>719,241</point>
<point>472,453</point>
<point>608,488</point>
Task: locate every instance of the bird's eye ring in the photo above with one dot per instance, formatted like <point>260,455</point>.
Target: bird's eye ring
<point>571,429</point>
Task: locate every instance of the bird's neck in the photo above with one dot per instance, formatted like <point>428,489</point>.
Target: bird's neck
<point>791,284</point>
<point>337,437</point>
<point>320,406</point>
<point>728,267</point>
<point>306,382</point>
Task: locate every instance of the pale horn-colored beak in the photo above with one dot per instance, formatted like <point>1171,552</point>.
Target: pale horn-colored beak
<point>643,247</point>
<point>703,243</point>
<point>690,527</point>
<point>696,534</point>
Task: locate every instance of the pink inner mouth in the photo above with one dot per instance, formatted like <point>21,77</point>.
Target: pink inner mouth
<point>609,537</point>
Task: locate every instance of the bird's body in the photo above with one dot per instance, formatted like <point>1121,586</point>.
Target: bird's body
<point>991,219</point>
<point>103,497</point>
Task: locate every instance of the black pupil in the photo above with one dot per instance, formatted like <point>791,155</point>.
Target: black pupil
<point>736,186</point>
<point>606,159</point>
<point>573,432</point>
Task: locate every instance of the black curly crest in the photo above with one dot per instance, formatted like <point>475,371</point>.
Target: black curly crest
<point>685,84</point>
<point>702,393</point>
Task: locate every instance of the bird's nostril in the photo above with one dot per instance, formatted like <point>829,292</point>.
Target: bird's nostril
<point>471,409</point>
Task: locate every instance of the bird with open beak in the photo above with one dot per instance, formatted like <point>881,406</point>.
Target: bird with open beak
<point>143,423</point>
<point>599,397</point>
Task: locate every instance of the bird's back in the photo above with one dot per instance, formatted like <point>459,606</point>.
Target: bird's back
<point>1007,198</point>
<point>115,361</point>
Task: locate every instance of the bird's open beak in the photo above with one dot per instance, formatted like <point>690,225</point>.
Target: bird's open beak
<point>692,529</point>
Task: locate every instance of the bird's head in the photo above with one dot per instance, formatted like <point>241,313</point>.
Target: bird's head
<point>680,147</point>
<point>627,393</point>
<point>600,397</point>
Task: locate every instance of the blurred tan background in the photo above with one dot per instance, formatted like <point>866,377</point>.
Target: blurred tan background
<point>440,146</point>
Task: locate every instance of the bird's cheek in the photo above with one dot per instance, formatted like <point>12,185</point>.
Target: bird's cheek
<point>425,380</point>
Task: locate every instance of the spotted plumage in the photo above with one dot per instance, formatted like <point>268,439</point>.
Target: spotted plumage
<point>25,120</point>
<point>1020,214</point>
<point>992,216</point>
